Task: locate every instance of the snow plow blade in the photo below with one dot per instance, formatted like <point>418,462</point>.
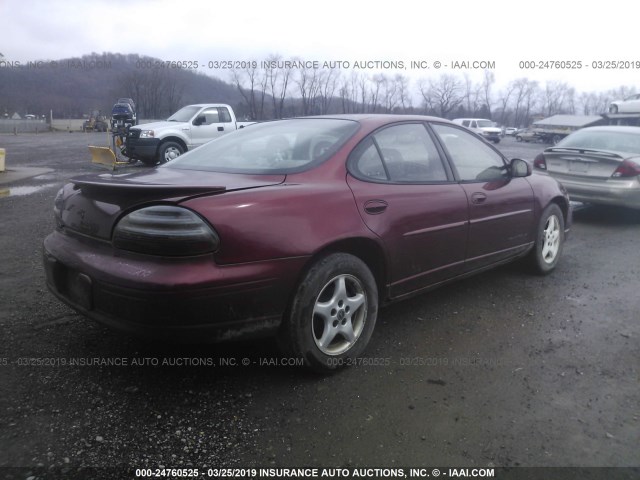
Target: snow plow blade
<point>103,156</point>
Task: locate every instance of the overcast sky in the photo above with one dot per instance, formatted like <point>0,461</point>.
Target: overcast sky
<point>339,30</point>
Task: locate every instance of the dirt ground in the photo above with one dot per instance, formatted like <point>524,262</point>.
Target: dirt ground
<point>504,369</point>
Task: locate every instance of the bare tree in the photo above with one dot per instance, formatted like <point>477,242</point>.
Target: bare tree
<point>487,84</point>
<point>308,81</point>
<point>174,89</point>
<point>390,94</point>
<point>505,96</point>
<point>471,96</point>
<point>402,87</point>
<point>443,95</point>
<point>363,82</point>
<point>278,82</point>
<point>377,84</point>
<point>558,98</point>
<point>328,83</point>
<point>252,85</point>
<point>526,94</point>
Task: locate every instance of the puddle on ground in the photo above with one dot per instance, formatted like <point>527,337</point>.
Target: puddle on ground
<point>22,191</point>
<point>46,176</point>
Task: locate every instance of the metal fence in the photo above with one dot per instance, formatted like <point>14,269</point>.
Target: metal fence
<point>38,126</point>
<point>23,126</point>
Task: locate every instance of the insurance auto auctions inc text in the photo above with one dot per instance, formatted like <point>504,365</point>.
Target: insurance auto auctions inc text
<point>374,472</point>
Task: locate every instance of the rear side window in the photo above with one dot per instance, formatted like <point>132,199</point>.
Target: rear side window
<point>215,115</point>
<point>400,153</point>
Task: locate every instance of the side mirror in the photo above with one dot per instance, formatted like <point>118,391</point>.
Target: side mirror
<point>200,119</point>
<point>520,168</point>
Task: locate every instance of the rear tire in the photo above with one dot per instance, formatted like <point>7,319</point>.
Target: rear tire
<point>613,109</point>
<point>333,313</point>
<point>549,240</point>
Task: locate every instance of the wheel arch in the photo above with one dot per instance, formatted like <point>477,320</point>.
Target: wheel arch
<point>178,140</point>
<point>365,249</point>
<point>564,207</point>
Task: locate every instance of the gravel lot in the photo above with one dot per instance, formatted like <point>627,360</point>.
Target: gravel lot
<point>503,369</point>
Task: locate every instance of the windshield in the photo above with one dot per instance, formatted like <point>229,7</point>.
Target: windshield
<point>282,146</point>
<point>485,123</point>
<point>627,142</point>
<point>184,114</point>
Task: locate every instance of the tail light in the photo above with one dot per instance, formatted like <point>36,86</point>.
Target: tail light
<point>165,230</point>
<point>628,168</point>
<point>540,162</point>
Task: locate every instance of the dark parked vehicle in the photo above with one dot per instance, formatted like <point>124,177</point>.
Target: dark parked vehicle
<point>598,165</point>
<point>298,227</point>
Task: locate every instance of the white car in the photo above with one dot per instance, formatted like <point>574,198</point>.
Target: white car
<point>628,105</point>
<point>483,127</point>
<point>510,131</point>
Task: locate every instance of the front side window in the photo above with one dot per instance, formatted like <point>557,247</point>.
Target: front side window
<point>474,160</point>
<point>401,153</point>
<point>184,114</point>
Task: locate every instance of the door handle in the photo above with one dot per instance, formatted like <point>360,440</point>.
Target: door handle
<point>221,129</point>
<point>478,198</point>
<point>375,207</point>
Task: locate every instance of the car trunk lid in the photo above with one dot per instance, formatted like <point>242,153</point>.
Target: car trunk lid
<point>583,162</point>
<point>91,205</point>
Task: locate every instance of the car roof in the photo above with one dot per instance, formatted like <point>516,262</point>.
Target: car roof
<point>372,119</point>
<point>613,128</point>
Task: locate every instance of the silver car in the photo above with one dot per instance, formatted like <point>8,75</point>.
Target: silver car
<point>630,104</point>
<point>598,165</point>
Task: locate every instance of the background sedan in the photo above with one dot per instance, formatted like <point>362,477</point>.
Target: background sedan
<point>599,165</point>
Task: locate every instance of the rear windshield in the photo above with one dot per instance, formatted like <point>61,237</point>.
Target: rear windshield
<point>283,146</point>
<point>628,142</point>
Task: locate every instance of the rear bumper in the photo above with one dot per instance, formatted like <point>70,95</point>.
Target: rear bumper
<point>178,300</point>
<point>617,192</point>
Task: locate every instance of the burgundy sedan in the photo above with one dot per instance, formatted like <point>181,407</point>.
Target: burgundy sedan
<point>299,228</point>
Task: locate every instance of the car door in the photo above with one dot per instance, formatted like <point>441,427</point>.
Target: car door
<point>632,105</point>
<point>501,208</point>
<point>407,196</point>
<point>210,123</point>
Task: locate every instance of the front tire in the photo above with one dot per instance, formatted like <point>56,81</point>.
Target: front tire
<point>333,313</point>
<point>169,151</point>
<point>549,240</point>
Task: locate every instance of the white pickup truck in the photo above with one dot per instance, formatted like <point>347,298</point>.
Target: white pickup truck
<point>188,128</point>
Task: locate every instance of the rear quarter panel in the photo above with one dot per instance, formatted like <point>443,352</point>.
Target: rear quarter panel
<point>287,220</point>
